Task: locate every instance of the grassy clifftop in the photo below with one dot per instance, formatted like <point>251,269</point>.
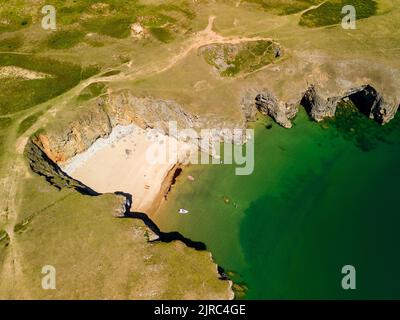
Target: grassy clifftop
<point>96,251</point>
<point>330,12</point>
<point>286,6</point>
<point>230,60</point>
<point>50,77</point>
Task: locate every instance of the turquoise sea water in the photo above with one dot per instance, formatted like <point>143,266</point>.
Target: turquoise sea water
<point>321,196</point>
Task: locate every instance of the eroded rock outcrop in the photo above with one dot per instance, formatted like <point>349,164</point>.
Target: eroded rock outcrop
<point>65,141</point>
<point>4,238</point>
<point>125,108</point>
<point>268,104</point>
<point>248,104</point>
<point>42,165</point>
<point>365,98</point>
<point>318,104</point>
<point>371,103</point>
<point>231,59</point>
<point>281,112</point>
<point>207,283</point>
<point>99,118</point>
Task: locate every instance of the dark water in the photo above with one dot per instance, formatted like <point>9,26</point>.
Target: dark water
<point>321,196</point>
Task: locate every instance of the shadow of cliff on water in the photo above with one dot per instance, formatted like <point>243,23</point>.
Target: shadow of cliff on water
<point>165,236</point>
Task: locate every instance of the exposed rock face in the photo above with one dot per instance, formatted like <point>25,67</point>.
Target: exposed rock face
<point>366,98</point>
<point>282,113</point>
<point>267,104</point>
<point>157,278</point>
<point>75,138</point>
<point>248,104</point>
<point>41,164</point>
<point>206,284</point>
<point>125,108</point>
<point>4,238</point>
<point>317,106</point>
<point>231,59</point>
<point>137,31</point>
<point>372,104</point>
<point>98,119</point>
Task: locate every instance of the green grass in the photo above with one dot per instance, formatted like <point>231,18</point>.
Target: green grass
<point>159,20</point>
<point>109,17</point>
<point>64,77</point>
<point>11,43</point>
<point>118,26</point>
<point>154,17</point>
<point>75,232</point>
<point>284,7</point>
<point>28,122</point>
<point>240,59</point>
<point>115,26</point>
<point>161,34</point>
<point>111,73</point>
<point>12,20</point>
<point>63,229</point>
<point>69,14</point>
<point>5,123</point>
<point>91,91</point>
<point>65,39</point>
<point>4,242</point>
<point>4,238</point>
<point>181,7</point>
<point>94,43</point>
<point>330,13</point>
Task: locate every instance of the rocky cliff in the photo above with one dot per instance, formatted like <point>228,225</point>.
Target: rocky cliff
<point>265,102</point>
<point>318,104</point>
<point>65,138</point>
<point>168,277</point>
<point>41,164</point>
<point>97,119</point>
<point>370,102</point>
<point>365,98</point>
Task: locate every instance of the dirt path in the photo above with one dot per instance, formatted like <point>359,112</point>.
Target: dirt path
<point>12,269</point>
<point>202,38</point>
<point>312,7</point>
<point>19,53</point>
<point>11,274</point>
<point>205,37</point>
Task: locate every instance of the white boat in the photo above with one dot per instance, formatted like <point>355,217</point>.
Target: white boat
<point>183,211</point>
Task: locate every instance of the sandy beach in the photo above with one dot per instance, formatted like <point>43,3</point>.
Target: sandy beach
<point>125,161</point>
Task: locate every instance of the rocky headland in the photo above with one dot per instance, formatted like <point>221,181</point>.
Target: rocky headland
<point>319,105</point>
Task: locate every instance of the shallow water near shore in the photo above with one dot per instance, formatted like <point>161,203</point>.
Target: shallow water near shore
<point>321,196</point>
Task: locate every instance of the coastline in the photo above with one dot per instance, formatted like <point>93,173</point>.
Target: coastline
<point>165,189</point>
<point>127,147</point>
<point>84,166</point>
<point>271,217</point>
